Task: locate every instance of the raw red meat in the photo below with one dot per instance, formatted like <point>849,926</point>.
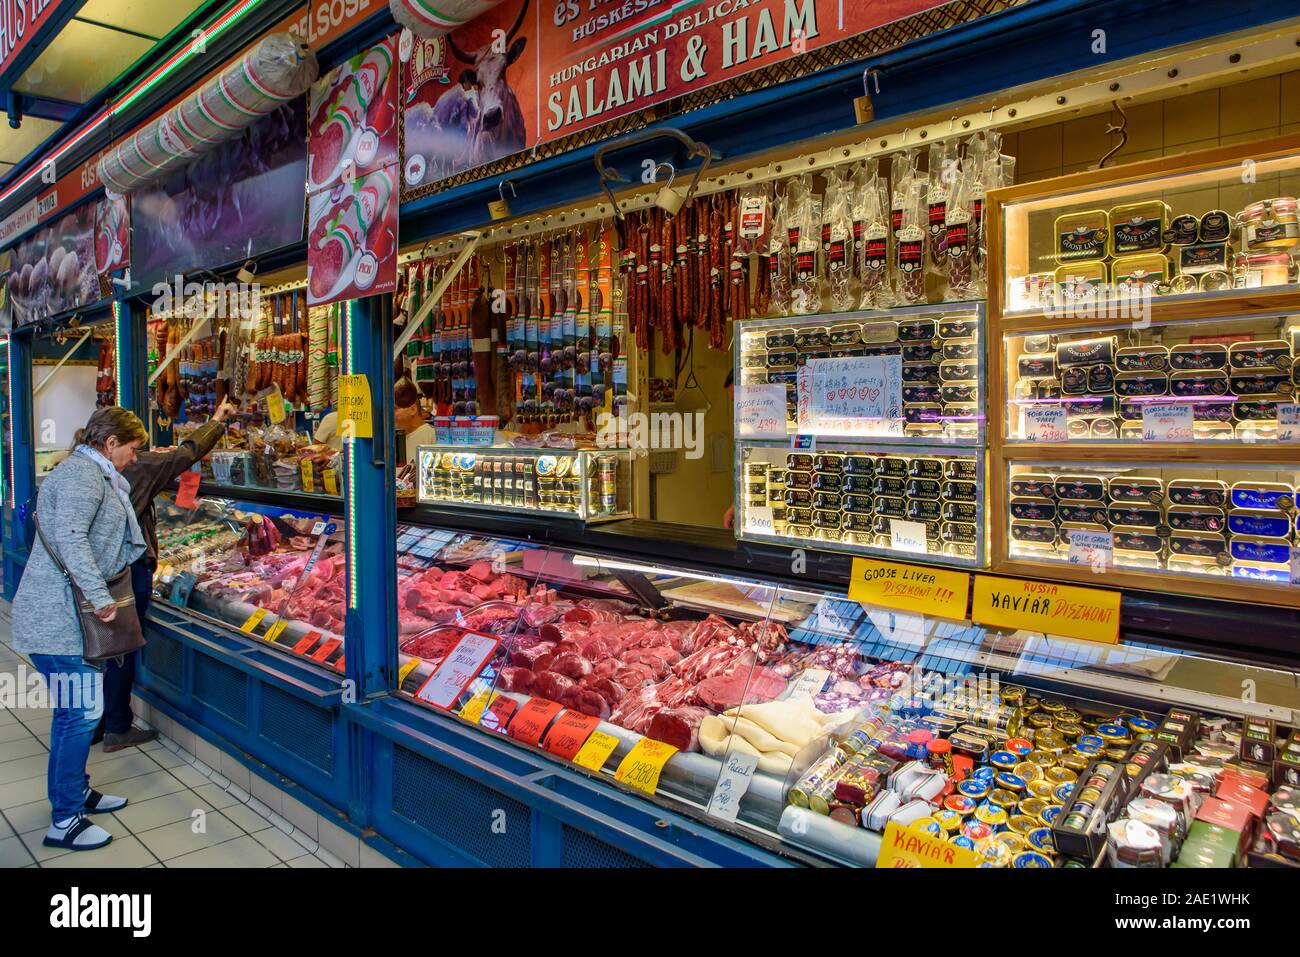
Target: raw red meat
<point>535,657</point>
<point>634,676</point>
<point>515,679</point>
<point>572,666</point>
<point>679,727</point>
<point>550,685</point>
<point>588,702</point>
<point>610,690</point>
<point>432,644</point>
<point>481,571</point>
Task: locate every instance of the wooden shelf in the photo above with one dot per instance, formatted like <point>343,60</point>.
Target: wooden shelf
<point>1165,310</point>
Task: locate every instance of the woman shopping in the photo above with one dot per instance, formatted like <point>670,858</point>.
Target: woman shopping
<point>84,517</point>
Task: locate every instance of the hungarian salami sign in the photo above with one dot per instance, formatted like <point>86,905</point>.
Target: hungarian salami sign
<point>20,20</point>
<point>522,75</point>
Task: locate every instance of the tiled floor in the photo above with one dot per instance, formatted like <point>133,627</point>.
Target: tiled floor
<point>181,813</point>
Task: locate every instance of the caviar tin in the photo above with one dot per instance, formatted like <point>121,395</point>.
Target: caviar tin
<point>828,481</point>
<point>780,339</point>
<point>1086,352</point>
<point>860,484</point>
<point>1198,492</point>
<point>1138,227</point>
<point>1139,384</point>
<point>863,465</point>
<point>1191,385</point>
<point>924,394</point>
<point>1198,544</point>
<point>959,491</point>
<point>1262,383</point>
<point>1130,273</point>
<point>892,465</point>
<point>1199,357</point>
<point>1267,551</point>
<point>1135,488</point>
<point>845,334</point>
<point>1263,495</point>
<point>1202,258</point>
<point>1080,488</point>
<point>916,330</point>
<point>1259,523</point>
<point>1034,533</point>
<point>1193,518</point>
<point>961,349</point>
<point>1142,359</point>
<point>815,353</point>
<point>1033,485</point>
<point>951,392</point>
<point>1033,509</point>
<point>1082,236</point>
<point>1269,354</point>
<point>921,373</point>
<point>1183,230</point>
<point>1082,513</point>
<point>810,337</point>
<point>754,360</point>
<point>889,507</point>
<point>1036,367</point>
<point>1136,516</point>
<point>919,351</point>
<point>958,328</point>
<point>782,359</point>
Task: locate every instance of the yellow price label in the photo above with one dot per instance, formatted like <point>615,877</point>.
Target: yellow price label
<point>405,671</point>
<point>255,619</point>
<point>640,767</point>
<point>1091,614</point>
<point>355,418</point>
<point>308,476</point>
<point>915,588</point>
<point>274,631</point>
<point>473,709</point>
<point>331,480</point>
<point>596,751</point>
<point>275,405</point>
<point>903,846</point>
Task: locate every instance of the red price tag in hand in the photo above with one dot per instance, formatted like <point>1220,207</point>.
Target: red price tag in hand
<point>569,733</point>
<point>188,491</point>
<point>532,720</point>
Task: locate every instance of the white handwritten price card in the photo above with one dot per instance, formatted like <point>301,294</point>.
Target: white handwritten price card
<point>856,395</point>
<point>458,669</point>
<point>1167,423</point>
<point>759,519</point>
<point>1094,549</point>
<point>1045,423</point>
<point>1288,422</point>
<point>760,411</point>
<point>737,772</point>
<point>641,767</point>
<point>907,536</point>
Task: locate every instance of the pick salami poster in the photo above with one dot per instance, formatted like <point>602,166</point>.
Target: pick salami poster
<point>112,234</point>
<point>352,121</point>
<point>352,238</point>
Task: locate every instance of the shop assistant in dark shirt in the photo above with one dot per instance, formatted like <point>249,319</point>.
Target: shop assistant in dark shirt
<point>152,473</point>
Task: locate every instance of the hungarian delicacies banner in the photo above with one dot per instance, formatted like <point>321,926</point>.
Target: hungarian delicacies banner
<point>352,178</point>
<point>518,76</point>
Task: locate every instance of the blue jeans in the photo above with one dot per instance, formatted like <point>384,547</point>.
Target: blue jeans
<point>77,697</point>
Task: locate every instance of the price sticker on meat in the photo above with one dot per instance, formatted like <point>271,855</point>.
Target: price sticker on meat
<point>641,768</point>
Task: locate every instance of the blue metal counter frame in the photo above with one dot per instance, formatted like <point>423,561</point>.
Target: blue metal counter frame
<point>401,775</point>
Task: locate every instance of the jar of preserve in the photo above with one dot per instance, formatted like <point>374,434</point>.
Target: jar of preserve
<point>1253,270</point>
<point>1270,224</point>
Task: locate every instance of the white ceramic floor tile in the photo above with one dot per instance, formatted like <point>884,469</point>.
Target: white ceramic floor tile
<point>156,812</point>
<point>24,747</point>
<point>278,843</point>
<point>20,769</point>
<point>240,852</point>
<point>23,792</point>
<point>15,730</point>
<point>7,831</point>
<point>247,818</point>
<point>125,851</point>
<point>143,787</point>
<point>120,767</point>
<point>166,759</point>
<point>32,840</point>
<point>13,853</point>
<point>190,776</point>
<point>215,796</point>
<point>28,817</point>
<point>173,840</point>
<point>307,860</point>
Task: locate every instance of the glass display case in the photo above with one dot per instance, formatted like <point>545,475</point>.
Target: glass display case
<point>809,723</point>
<point>274,573</point>
<point>592,485</point>
<point>908,375</point>
<point>1207,225</point>
<point>882,501</point>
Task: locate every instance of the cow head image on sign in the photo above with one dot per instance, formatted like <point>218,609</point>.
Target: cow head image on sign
<point>496,128</point>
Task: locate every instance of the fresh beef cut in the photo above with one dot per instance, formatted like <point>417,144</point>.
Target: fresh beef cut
<point>535,657</point>
<point>572,666</point>
<point>550,685</point>
<point>515,679</point>
<point>679,727</point>
<point>588,702</point>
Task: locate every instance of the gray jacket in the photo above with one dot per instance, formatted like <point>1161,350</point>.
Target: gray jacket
<point>85,522</point>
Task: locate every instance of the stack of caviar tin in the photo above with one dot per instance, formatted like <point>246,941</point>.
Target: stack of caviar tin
<point>1205,527</point>
<point>853,498</point>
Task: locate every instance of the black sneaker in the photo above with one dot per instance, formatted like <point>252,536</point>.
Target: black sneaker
<point>97,803</point>
<point>77,834</point>
<point>127,739</point>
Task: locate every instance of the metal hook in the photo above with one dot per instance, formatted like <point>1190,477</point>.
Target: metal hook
<point>952,121</point>
<point>1122,130</point>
